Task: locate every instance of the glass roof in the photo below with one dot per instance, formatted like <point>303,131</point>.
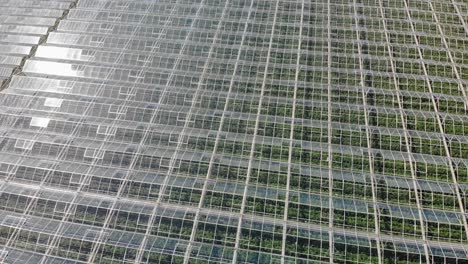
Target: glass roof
<point>235,131</point>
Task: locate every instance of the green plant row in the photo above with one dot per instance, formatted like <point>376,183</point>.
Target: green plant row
<point>275,108</point>
<point>319,77</point>
<point>340,161</point>
<point>311,184</point>
<point>389,224</point>
<point>78,249</point>
<point>178,228</point>
<point>251,239</point>
<point>122,220</point>
<point>390,120</point>
<point>300,156</point>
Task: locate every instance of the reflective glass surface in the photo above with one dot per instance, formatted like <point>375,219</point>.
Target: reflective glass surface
<point>234,131</point>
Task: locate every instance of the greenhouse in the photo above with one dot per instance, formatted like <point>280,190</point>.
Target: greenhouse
<point>233,131</point>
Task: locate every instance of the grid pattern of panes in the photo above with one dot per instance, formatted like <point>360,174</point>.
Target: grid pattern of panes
<point>240,131</point>
<point>23,25</point>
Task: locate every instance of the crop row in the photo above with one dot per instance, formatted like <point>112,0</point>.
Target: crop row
<point>312,247</point>
<point>272,178</point>
<point>180,228</point>
<point>300,155</point>
<point>274,108</point>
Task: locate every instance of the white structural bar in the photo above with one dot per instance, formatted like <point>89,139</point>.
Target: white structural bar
<point>406,136</point>
<point>331,209</point>
<point>217,140</point>
<point>368,138</point>
<point>180,141</point>
<point>252,148</point>
<point>436,107</point>
<point>72,206</point>
<point>449,53</point>
<point>291,137</point>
